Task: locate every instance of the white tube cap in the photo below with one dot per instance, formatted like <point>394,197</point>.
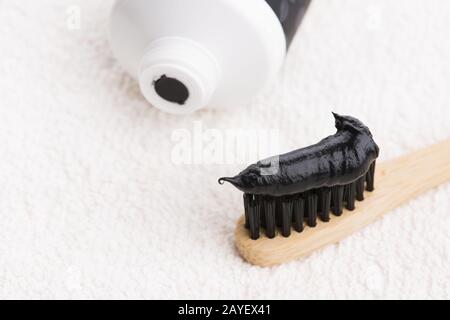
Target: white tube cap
<point>178,75</point>
<point>191,54</point>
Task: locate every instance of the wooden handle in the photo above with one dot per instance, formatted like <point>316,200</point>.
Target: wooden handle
<point>397,182</point>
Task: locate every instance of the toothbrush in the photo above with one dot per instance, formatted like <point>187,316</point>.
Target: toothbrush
<point>398,181</point>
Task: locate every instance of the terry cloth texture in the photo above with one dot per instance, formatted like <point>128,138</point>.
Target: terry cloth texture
<point>94,205</point>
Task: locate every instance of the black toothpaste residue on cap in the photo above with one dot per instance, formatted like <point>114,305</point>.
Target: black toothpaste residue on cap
<point>172,90</point>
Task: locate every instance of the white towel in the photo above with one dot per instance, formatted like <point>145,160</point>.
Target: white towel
<point>94,205</point>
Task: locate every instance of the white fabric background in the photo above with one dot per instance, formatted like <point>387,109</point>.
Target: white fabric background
<point>91,205</point>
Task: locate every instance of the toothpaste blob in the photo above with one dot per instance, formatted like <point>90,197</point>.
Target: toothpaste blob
<point>192,54</point>
<point>336,160</point>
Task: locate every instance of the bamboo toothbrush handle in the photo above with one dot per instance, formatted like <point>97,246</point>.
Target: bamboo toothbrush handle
<point>407,177</point>
<point>397,182</point>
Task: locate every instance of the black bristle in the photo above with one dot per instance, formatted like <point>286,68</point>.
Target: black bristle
<point>311,209</point>
<point>325,204</point>
<point>370,177</point>
<point>350,195</point>
<point>260,200</point>
<point>269,213</point>
<point>360,186</point>
<point>278,212</point>
<point>298,213</point>
<point>246,208</point>
<point>337,200</point>
<point>254,220</point>
<point>286,218</point>
<point>287,212</point>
